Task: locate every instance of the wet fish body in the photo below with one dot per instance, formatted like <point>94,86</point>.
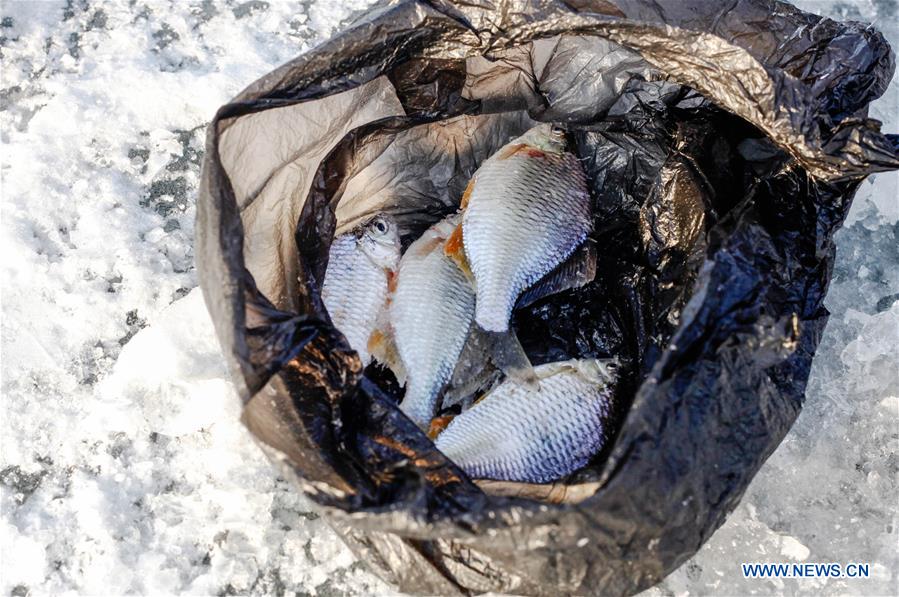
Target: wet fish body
<point>431,313</point>
<point>527,209</point>
<point>517,434</point>
<point>357,280</point>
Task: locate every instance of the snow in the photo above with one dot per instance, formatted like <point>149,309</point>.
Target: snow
<point>123,467</point>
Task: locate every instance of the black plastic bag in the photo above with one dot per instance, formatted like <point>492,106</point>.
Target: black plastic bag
<point>723,145</point>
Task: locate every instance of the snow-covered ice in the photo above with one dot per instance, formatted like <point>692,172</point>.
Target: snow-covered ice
<point>123,466</point>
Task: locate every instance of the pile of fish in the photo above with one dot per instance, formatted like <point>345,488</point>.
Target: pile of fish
<point>438,315</point>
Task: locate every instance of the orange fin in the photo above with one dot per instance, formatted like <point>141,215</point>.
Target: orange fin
<point>454,248</point>
<point>510,151</point>
<point>382,347</point>
<point>392,277</point>
<point>521,148</point>
<point>466,195</point>
<point>376,341</point>
<point>454,243</point>
<point>438,424</point>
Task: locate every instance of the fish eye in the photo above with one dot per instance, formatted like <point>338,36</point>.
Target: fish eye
<point>380,226</point>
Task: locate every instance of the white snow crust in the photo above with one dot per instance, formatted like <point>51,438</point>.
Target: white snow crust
<point>124,468</point>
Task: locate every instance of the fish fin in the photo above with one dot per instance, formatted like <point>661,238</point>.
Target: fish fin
<point>510,151</point>
<point>576,271</point>
<point>474,373</point>
<point>428,246</point>
<point>438,424</point>
<point>508,355</point>
<point>521,149</point>
<point>473,389</point>
<point>454,248</point>
<point>466,195</point>
<point>392,278</point>
<point>598,371</point>
<point>382,347</point>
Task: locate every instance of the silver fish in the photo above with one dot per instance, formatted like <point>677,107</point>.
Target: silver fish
<point>527,208</point>
<point>430,313</point>
<point>516,434</point>
<point>361,265</point>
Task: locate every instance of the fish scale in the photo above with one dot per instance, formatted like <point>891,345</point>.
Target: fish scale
<point>528,210</point>
<point>535,436</point>
<point>431,313</point>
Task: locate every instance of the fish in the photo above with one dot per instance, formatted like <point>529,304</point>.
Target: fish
<point>431,313</point>
<point>526,209</point>
<point>516,434</point>
<point>474,375</point>
<point>361,270</point>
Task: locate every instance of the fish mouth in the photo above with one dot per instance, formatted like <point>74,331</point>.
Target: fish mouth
<point>549,137</point>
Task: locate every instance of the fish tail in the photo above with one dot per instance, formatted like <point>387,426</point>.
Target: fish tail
<point>508,355</point>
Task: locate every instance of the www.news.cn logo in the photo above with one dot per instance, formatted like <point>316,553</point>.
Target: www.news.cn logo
<point>805,570</point>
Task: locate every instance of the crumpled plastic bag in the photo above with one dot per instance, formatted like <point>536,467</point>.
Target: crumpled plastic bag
<point>723,144</point>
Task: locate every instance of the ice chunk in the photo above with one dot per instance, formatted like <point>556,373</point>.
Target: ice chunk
<point>793,549</point>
